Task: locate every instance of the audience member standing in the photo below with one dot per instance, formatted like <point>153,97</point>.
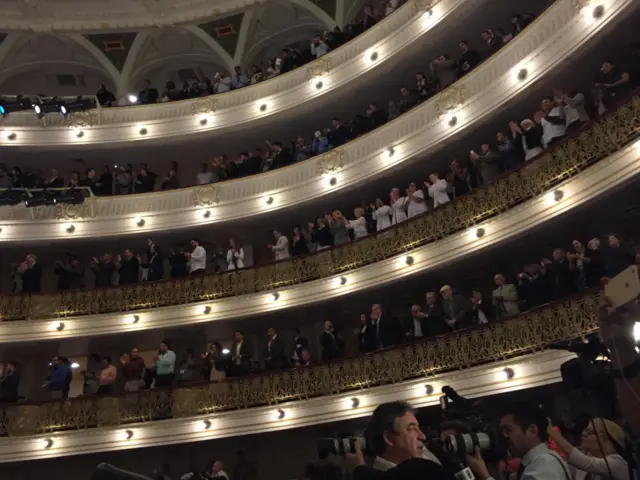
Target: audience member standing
<point>133,370</point>
<point>107,377</point>
<point>31,273</point>
<point>9,383</point>
<point>398,206</point>
<point>281,248</point>
<point>381,214</point>
<point>505,297</point>
<point>437,190</point>
<point>415,201</point>
<point>129,268</point>
<point>331,342</point>
<point>197,258</point>
<point>235,256</point>
<point>274,356</point>
<point>165,363</point>
<point>241,355</point>
<point>57,384</point>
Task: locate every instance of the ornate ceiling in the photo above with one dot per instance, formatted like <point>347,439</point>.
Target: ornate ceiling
<point>119,42</point>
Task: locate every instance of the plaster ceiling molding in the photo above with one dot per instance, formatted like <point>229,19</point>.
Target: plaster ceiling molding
<point>533,370</point>
<point>557,34</point>
<point>290,89</point>
<point>592,184</point>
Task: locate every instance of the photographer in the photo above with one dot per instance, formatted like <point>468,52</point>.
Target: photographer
<point>525,428</point>
<point>394,437</point>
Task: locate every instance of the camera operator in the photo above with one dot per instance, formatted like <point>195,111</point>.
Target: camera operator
<point>394,437</point>
<point>525,428</point>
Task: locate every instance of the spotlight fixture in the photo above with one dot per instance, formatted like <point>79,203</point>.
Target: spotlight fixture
<point>343,280</point>
<point>391,152</point>
<point>128,434</point>
<point>69,227</point>
<point>132,98</point>
<point>319,85</point>
<point>139,221</point>
<point>75,365</point>
<point>374,56</point>
<point>269,201</point>
<point>355,402</point>
<point>12,136</point>
<point>203,121</point>
<point>263,107</point>
<point>206,214</point>
<point>598,11</point>
<point>557,195</point>
<point>207,424</point>
<point>59,326</point>
<point>48,443</point>
<point>409,260</point>
<point>522,74</point>
<point>333,181</point>
<point>275,296</point>
<point>428,389</point>
<point>134,319</point>
<point>143,131</point>
<point>280,414</point>
<point>79,133</point>
<point>207,310</point>
<point>508,373</point>
<point>38,109</point>
<point>480,232</point>
<point>63,110</point>
<point>452,120</point>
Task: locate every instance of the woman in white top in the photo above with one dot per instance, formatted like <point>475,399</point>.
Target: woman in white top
<point>398,207</point>
<point>235,256</point>
<point>553,121</point>
<point>359,225</point>
<point>437,190</point>
<point>415,201</point>
<point>381,214</point>
<point>599,460</point>
<point>575,112</point>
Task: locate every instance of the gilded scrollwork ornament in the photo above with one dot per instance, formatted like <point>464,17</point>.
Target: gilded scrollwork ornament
<point>331,161</point>
<point>204,106</point>
<point>318,68</point>
<point>450,99</point>
<point>207,196</point>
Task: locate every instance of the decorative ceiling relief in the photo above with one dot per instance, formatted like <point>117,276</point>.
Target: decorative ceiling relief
<point>225,31</point>
<point>115,46</point>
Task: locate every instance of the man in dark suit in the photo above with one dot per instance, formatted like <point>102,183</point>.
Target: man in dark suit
<point>148,94</point>
<point>339,134</point>
<point>388,329</point>
<point>416,326</point>
<point>155,262</point>
<point>31,274</point>
<point>241,355</point>
<point>435,316</point>
<point>367,340</point>
<point>331,342</point>
<point>128,267</point>
<point>394,437</point>
<point>9,383</point>
<point>282,156</point>
<point>103,270</point>
<point>482,312</point>
<point>274,357</point>
<point>300,344</point>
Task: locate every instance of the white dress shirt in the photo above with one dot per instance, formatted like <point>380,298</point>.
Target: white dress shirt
<point>551,130</point>
<point>438,191</point>
<point>382,216</point>
<point>416,208</point>
<point>597,467</point>
<point>398,213</point>
<point>203,178</point>
<point>281,248</point>
<point>238,255</point>
<point>359,227</point>
<point>198,259</point>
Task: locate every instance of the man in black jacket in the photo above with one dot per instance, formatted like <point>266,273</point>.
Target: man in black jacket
<point>435,316</point>
<point>331,342</point>
<point>388,329</point>
<point>241,355</point>
<point>299,345</point>
<point>9,383</point>
<point>469,59</point>
<point>103,270</point>
<point>416,326</point>
<point>367,340</point>
<point>31,274</point>
<point>148,94</point>
<point>394,437</point>
<point>128,266</point>
<point>274,357</point>
<point>282,156</point>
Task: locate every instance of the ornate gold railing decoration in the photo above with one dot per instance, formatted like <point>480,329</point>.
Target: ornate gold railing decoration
<point>602,138</point>
<point>529,332</point>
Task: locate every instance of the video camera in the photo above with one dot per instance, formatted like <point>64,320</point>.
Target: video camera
<point>485,431</point>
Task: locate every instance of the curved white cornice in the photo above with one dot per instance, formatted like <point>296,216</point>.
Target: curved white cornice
<point>530,371</point>
<point>599,179</point>
<point>83,16</point>
<point>235,108</point>
<point>558,33</point>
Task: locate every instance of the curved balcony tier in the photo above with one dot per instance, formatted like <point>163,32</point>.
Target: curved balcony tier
<point>284,399</point>
<point>560,31</point>
<point>252,104</point>
<point>596,161</point>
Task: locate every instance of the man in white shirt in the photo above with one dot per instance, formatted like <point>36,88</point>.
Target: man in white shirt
<point>204,176</point>
<point>217,470</point>
<point>554,124</point>
<point>415,201</point>
<point>197,258</point>
<point>318,47</point>
<point>281,248</point>
<point>525,427</point>
<point>437,190</point>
